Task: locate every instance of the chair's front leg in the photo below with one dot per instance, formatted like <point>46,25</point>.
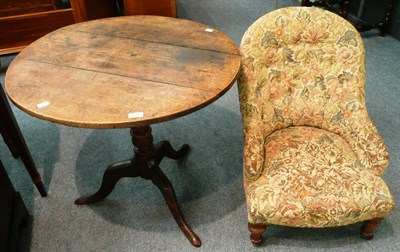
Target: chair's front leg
<point>367,229</point>
<point>256,231</point>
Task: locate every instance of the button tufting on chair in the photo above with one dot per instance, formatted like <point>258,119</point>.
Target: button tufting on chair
<point>312,156</point>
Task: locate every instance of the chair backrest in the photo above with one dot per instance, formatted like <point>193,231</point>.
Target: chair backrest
<point>154,7</point>
<point>85,10</point>
<point>305,66</point>
<point>302,66</point>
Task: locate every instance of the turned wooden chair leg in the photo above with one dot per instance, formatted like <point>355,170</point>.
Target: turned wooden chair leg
<point>367,229</point>
<point>256,231</point>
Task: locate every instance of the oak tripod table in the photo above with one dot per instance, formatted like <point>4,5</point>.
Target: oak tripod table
<point>126,72</point>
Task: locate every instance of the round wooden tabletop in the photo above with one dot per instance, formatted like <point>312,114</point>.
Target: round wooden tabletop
<point>123,72</point>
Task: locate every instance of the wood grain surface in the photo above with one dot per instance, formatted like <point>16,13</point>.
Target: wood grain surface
<point>123,72</point>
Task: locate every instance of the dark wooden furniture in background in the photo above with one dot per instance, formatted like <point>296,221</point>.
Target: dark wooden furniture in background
<point>13,214</point>
<point>359,24</point>
<point>85,10</point>
<point>126,72</point>
<point>154,7</point>
<point>24,21</point>
<point>12,136</point>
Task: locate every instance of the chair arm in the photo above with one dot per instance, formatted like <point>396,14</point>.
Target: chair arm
<point>369,147</point>
<point>253,152</point>
<point>360,132</point>
<point>253,131</point>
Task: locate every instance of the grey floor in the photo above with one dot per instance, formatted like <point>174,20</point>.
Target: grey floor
<point>208,182</point>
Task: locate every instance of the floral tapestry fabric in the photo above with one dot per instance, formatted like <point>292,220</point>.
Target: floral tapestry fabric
<point>304,67</point>
<point>312,178</point>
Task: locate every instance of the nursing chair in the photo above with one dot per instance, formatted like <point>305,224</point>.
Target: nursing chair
<point>312,156</point>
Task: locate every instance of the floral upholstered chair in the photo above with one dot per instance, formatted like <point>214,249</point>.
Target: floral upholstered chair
<point>312,156</point>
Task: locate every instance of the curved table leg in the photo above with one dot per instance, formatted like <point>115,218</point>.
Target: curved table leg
<point>111,176</point>
<point>165,186</point>
<point>145,164</point>
<point>164,149</point>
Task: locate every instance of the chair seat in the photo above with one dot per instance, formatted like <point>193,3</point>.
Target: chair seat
<point>312,178</point>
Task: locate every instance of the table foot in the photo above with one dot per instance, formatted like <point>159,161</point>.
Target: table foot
<point>40,186</point>
<point>145,164</point>
<point>112,175</point>
<point>165,186</point>
<point>164,149</point>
